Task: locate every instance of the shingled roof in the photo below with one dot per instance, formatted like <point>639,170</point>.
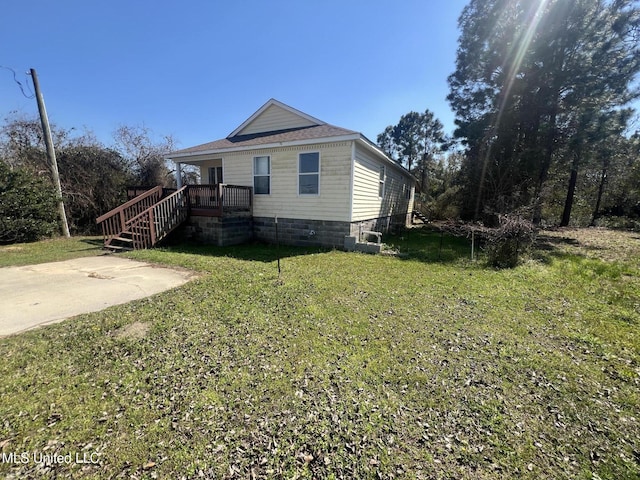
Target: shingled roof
<point>276,124</point>
<point>267,138</point>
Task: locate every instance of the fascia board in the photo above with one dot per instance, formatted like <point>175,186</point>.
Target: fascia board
<point>294,143</point>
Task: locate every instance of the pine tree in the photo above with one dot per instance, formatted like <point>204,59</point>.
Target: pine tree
<point>527,74</point>
<point>414,142</point>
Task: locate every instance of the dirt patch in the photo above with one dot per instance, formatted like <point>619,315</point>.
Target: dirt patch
<point>134,331</point>
<point>11,249</point>
<point>602,243</point>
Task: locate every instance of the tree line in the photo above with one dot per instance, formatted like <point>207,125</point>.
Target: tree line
<point>544,129</point>
<point>93,176</point>
<point>541,94</point>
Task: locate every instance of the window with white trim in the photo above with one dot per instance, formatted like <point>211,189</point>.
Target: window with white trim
<point>407,191</point>
<point>309,173</point>
<point>262,175</point>
<point>381,179</point>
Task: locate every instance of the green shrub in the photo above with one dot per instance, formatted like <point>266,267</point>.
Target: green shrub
<point>28,210</point>
<point>445,206</point>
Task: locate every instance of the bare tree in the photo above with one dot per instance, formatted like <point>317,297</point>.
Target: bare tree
<point>146,156</point>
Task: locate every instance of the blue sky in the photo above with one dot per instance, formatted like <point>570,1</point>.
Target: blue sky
<point>197,69</point>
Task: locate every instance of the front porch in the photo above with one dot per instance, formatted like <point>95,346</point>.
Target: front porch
<point>152,213</point>
<point>208,200</point>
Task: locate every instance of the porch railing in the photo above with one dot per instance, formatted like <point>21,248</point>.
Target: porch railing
<point>154,212</point>
<point>133,192</point>
<point>220,198</point>
<point>115,221</point>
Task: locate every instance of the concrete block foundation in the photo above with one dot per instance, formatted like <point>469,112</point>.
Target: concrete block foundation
<point>302,233</point>
<point>220,231</point>
<point>238,229</point>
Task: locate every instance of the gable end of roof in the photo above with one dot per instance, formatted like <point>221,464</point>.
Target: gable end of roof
<point>275,116</point>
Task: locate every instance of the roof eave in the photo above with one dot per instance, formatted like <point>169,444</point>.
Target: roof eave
<point>292,143</point>
<point>378,151</point>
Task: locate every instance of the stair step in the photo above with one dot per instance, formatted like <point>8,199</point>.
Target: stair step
<point>421,216</point>
<point>137,234</point>
<point>118,248</point>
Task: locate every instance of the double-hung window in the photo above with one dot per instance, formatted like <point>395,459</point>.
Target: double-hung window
<point>406,189</point>
<point>381,182</point>
<point>309,173</point>
<point>262,175</point>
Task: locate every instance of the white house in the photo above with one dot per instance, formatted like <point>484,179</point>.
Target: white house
<point>322,182</point>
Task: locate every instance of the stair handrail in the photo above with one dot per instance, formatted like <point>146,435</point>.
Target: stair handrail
<point>114,221</point>
<point>150,214</point>
<point>155,190</point>
<point>132,219</point>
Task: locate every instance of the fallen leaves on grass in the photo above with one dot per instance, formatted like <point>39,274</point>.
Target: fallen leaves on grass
<point>350,366</point>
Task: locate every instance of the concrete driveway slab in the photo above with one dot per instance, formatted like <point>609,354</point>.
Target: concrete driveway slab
<point>34,295</point>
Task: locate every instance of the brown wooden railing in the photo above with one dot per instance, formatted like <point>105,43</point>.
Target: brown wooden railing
<point>220,198</point>
<point>203,196</point>
<point>133,192</point>
<point>152,215</point>
<point>156,222</point>
<point>115,221</point>
<point>237,198</point>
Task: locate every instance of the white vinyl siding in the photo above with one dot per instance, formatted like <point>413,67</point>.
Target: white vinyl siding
<point>275,118</point>
<point>343,195</point>
<point>368,181</point>
<point>332,202</point>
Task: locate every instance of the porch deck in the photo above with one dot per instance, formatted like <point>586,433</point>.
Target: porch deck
<point>207,200</point>
<point>152,213</point>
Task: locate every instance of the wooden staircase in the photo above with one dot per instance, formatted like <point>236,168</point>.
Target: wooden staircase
<point>418,214</point>
<point>123,242</point>
<point>145,220</point>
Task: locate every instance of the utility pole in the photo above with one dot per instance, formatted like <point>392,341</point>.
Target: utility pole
<point>51,154</point>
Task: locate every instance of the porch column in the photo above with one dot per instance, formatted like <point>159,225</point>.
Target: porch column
<point>179,174</point>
